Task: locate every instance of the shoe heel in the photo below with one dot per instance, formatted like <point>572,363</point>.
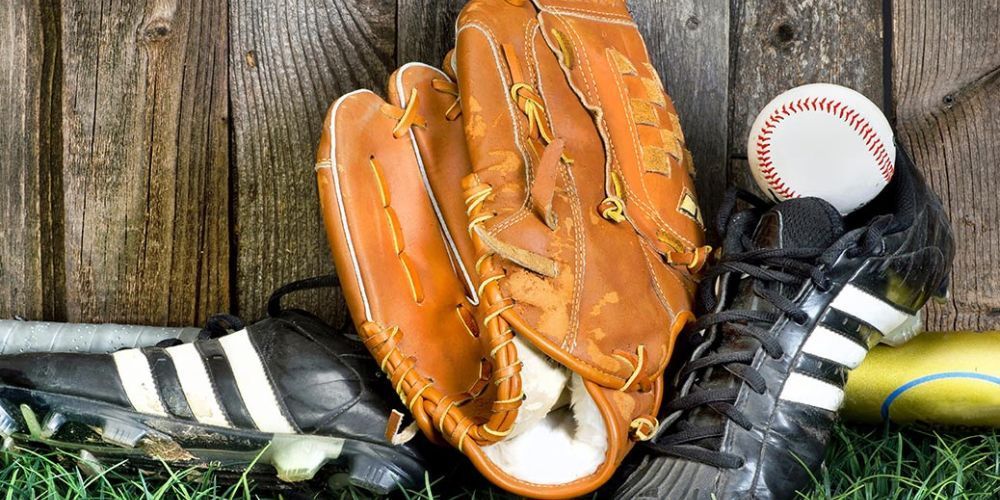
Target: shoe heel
<point>913,326</point>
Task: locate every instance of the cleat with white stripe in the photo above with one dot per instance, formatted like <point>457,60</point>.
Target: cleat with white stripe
<point>288,396</point>
<point>798,298</point>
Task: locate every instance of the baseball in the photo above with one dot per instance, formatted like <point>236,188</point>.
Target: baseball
<point>823,141</point>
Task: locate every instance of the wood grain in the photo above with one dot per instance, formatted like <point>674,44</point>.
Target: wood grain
<point>21,50</point>
<point>777,45</point>
<point>145,161</point>
<point>289,62</point>
<point>946,83</point>
<point>689,41</point>
<point>426,30</point>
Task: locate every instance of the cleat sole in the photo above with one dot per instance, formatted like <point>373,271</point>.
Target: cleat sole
<point>99,432</point>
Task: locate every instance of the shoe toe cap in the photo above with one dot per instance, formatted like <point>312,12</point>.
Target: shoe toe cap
<point>91,376</point>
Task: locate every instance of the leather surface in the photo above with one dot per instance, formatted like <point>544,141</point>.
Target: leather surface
<point>402,276</point>
<point>592,292</point>
<point>84,375</point>
<point>788,440</point>
<point>440,274</point>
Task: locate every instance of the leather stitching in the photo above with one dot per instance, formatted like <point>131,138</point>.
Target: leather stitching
<point>491,38</point>
<point>648,210</point>
<point>833,107</point>
<point>581,261</point>
<point>590,15</point>
<point>570,339</point>
<point>656,285</point>
<point>263,352</point>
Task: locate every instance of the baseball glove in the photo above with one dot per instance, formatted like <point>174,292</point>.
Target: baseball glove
<point>519,259</point>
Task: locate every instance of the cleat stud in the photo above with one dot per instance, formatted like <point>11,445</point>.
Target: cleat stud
<point>299,458</point>
<point>89,464</point>
<point>122,434</point>
<point>905,332</point>
<point>374,474</point>
<point>53,422</point>
<point>8,426</point>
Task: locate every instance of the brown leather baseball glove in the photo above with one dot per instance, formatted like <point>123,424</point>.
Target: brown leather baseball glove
<point>519,260</point>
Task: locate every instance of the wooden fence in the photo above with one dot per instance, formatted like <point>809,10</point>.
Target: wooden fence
<point>156,157</point>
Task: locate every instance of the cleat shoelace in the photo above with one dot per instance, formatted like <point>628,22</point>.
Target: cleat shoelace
<point>727,337</point>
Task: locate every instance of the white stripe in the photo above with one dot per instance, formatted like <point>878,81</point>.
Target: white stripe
<point>830,345</point>
<point>197,386</point>
<point>137,378</point>
<point>870,309</point>
<point>255,388</point>
<point>813,392</point>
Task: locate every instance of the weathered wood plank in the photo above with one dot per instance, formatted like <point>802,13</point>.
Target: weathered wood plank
<point>777,45</point>
<point>50,163</point>
<point>289,62</point>
<point>946,84</point>
<point>689,43</point>
<point>145,160</point>
<point>426,30</point>
<point>21,50</point>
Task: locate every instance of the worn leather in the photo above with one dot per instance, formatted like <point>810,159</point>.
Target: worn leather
<point>85,375</point>
<point>594,292</point>
<point>458,224</point>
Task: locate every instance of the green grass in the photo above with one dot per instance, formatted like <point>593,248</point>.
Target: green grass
<point>863,463</point>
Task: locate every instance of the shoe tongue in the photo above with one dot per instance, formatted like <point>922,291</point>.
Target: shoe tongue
<point>799,223</point>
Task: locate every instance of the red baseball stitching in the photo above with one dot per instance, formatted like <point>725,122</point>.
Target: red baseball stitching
<point>839,110</point>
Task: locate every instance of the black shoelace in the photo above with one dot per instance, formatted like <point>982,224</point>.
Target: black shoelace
<point>222,324</point>
<point>773,272</point>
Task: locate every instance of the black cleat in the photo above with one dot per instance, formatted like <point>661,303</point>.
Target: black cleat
<point>288,394</point>
<point>799,296</point>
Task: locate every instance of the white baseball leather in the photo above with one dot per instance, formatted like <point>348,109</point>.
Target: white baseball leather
<point>825,141</point>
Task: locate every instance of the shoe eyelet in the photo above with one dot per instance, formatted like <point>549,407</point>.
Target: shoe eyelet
<point>881,249</point>
<point>803,322</point>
